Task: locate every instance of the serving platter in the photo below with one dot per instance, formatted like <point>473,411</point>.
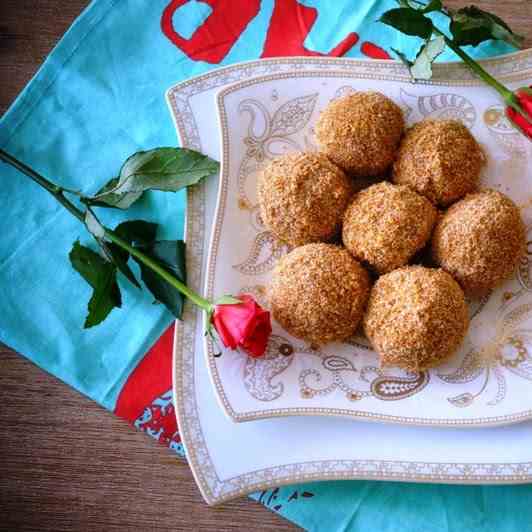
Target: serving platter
<point>231,459</point>
<point>489,380</point>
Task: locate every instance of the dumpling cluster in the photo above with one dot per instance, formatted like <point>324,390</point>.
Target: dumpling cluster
<point>415,316</point>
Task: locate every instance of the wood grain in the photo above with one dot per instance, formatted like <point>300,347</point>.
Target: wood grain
<point>66,464</point>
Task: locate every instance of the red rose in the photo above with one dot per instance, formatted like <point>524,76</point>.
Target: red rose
<point>524,100</point>
<point>246,325</point>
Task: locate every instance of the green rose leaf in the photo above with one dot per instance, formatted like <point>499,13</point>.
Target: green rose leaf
<point>93,225</point>
<point>422,67</point>
<point>471,26</point>
<point>101,276</point>
<point>403,58</point>
<point>409,21</point>
<point>168,169</point>
<point>111,252</point>
<point>137,232</point>
<point>433,5</point>
<point>170,254</point>
<point>134,232</point>
<point>119,258</point>
<point>111,199</point>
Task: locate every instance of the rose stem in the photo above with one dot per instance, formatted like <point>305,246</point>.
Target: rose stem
<point>57,192</point>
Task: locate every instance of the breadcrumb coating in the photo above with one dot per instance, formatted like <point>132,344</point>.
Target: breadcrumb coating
<point>318,293</point>
<point>416,318</point>
<point>302,197</point>
<point>361,132</point>
<point>439,159</point>
<point>386,224</point>
<point>479,240</point>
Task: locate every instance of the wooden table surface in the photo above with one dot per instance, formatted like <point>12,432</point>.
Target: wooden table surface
<point>65,463</point>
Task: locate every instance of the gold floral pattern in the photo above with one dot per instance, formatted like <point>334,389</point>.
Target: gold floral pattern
<point>506,351</point>
<point>368,381</point>
<point>265,251</point>
<point>441,105</point>
<point>268,134</point>
<point>259,372</point>
<point>512,142</point>
<point>523,276</point>
<point>514,146</point>
<point>396,388</point>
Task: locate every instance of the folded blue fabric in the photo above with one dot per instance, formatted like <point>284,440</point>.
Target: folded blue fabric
<point>98,98</point>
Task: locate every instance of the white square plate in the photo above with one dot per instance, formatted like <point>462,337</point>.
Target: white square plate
<point>488,382</point>
<point>229,459</point>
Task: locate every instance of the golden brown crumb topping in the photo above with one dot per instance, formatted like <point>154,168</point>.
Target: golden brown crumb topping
<point>416,317</point>
<point>479,240</point>
<point>361,132</point>
<point>302,197</point>
<point>385,225</point>
<point>318,292</point>
<point>439,159</point>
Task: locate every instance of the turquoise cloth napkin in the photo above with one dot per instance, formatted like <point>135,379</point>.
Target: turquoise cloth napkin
<point>97,99</point>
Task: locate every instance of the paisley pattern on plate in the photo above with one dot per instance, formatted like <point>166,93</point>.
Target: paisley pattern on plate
<point>335,373</point>
<point>274,114</point>
<point>440,105</point>
<point>265,251</point>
